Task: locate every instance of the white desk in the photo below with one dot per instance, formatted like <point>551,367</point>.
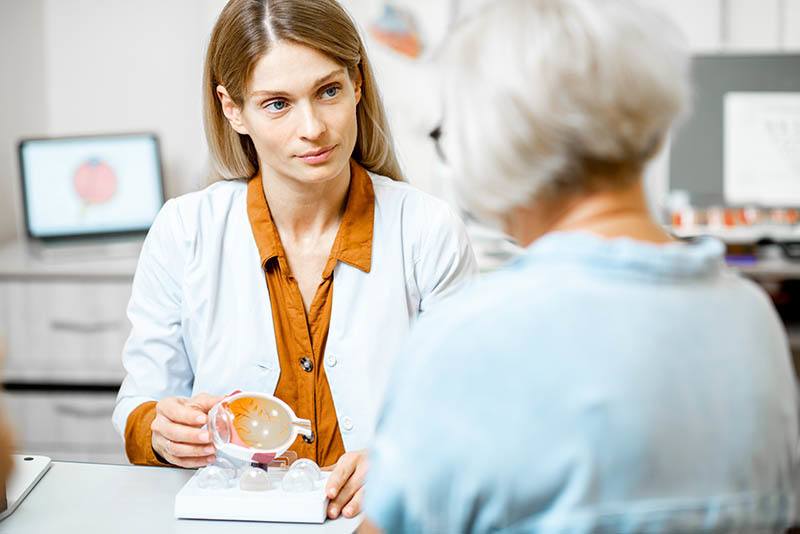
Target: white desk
<point>98,498</point>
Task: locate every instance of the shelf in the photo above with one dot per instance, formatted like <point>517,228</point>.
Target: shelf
<point>741,236</point>
<point>772,269</point>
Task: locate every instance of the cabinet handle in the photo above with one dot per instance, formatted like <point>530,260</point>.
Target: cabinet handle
<point>85,328</point>
<point>83,413</point>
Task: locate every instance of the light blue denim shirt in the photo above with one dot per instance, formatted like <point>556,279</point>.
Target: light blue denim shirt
<point>593,386</point>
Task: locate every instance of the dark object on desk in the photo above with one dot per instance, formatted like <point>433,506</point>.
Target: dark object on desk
<point>791,250</point>
<point>786,298</point>
<point>741,254</point>
<point>740,260</point>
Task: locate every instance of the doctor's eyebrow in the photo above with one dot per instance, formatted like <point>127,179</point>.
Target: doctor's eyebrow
<point>317,83</point>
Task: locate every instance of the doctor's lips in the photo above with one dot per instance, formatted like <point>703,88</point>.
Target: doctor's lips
<point>317,156</point>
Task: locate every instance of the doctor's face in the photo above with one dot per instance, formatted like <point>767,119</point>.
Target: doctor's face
<point>300,112</point>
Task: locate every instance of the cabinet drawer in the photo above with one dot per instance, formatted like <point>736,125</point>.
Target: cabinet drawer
<point>65,331</point>
<point>78,422</point>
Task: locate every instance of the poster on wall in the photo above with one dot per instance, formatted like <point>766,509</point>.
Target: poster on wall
<point>402,38</point>
<point>762,148</point>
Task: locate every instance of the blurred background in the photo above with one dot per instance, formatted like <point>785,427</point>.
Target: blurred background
<point>108,67</point>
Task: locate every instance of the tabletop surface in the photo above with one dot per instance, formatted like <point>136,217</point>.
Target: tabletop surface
<point>99,498</point>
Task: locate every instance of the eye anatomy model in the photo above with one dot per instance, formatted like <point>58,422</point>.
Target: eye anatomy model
<point>95,182</point>
<point>254,427</point>
<point>254,476</point>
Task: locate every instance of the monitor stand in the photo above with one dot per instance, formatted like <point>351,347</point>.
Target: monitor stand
<point>86,249</point>
<point>28,470</point>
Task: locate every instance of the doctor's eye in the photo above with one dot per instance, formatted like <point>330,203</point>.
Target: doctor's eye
<point>276,106</point>
<point>331,91</point>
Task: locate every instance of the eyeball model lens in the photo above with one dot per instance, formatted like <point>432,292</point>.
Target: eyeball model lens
<point>220,423</point>
<point>213,477</point>
<point>297,480</point>
<point>309,466</point>
<point>254,479</point>
<point>226,466</point>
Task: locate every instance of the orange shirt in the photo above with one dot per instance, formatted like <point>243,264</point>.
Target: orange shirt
<point>300,337</point>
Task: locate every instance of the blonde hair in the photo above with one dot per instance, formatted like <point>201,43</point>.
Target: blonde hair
<point>558,97</point>
<point>243,34</point>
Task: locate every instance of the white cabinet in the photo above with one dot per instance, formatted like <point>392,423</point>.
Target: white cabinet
<point>63,327</point>
<point>71,426</point>
<point>64,331</point>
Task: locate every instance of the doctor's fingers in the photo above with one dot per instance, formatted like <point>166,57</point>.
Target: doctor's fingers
<point>346,499</point>
<point>178,410</point>
<point>191,463</point>
<point>180,433</point>
<point>168,450</point>
<point>186,450</point>
<point>353,508</point>
<point>343,471</point>
<point>203,401</point>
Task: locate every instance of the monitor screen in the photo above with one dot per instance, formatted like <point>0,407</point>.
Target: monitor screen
<point>741,143</point>
<point>90,185</point>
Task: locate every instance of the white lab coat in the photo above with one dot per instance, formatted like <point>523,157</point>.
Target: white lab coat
<point>201,317</point>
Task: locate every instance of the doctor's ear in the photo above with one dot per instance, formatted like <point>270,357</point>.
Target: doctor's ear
<point>231,111</point>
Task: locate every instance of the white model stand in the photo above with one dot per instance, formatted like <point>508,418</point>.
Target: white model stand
<point>272,505</point>
<point>28,470</point>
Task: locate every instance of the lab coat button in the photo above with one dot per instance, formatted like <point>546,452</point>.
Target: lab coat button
<point>306,364</point>
<point>330,360</point>
<point>347,424</point>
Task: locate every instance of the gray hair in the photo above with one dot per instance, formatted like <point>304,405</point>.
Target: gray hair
<point>540,94</point>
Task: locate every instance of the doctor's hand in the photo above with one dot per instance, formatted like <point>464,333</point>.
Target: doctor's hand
<point>345,487</point>
<point>177,436</point>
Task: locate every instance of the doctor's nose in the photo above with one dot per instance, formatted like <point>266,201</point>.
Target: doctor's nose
<point>312,127</point>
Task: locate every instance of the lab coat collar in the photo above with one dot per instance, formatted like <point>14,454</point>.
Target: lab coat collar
<point>353,243</point>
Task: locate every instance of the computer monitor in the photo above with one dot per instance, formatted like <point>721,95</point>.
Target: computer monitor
<point>90,186</point>
<point>741,144</point>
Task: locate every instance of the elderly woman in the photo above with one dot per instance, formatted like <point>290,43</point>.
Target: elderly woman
<point>612,379</point>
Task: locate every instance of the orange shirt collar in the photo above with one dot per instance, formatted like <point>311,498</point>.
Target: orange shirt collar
<point>353,243</point>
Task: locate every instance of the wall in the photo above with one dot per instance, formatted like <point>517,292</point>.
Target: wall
<point>129,66</point>
<point>23,107</point>
<point>94,66</point>
<point>77,66</point>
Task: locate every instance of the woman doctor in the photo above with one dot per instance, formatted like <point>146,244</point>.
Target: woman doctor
<point>235,284</point>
